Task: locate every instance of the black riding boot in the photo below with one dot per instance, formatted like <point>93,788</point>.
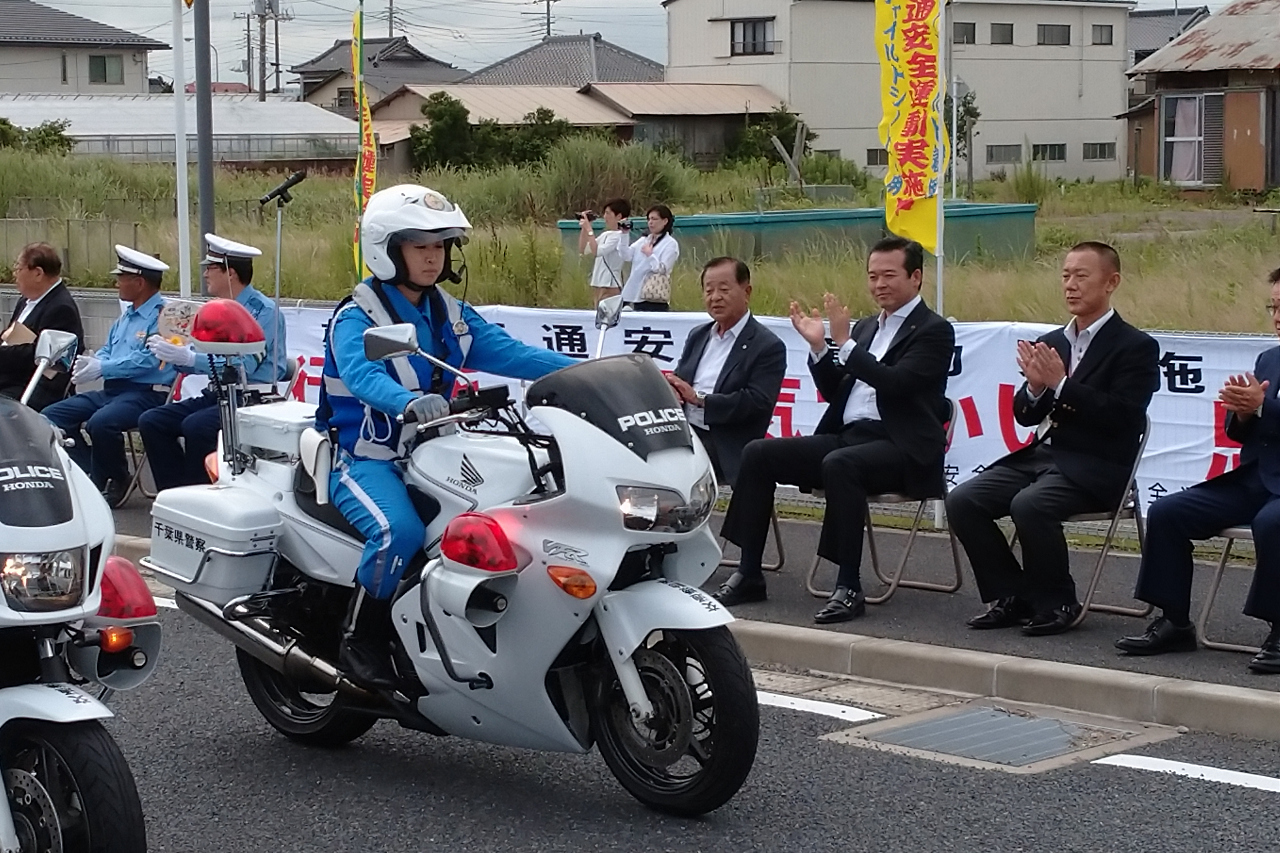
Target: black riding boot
<point>365,653</point>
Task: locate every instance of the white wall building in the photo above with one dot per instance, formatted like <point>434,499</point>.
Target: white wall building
<point>45,50</point>
<point>1049,75</point>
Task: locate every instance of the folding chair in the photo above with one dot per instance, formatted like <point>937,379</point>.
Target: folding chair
<point>1130,507</point>
<point>1202,624</point>
<point>896,580</point>
<point>777,538</point>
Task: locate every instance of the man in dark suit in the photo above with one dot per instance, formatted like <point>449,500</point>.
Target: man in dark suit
<point>45,303</point>
<point>731,370</point>
<point>882,432</point>
<point>1087,387</point>
<point>1248,495</point>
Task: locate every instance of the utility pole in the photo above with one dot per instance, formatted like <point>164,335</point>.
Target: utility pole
<point>248,46</point>
<point>260,10</point>
<point>391,19</point>
<point>204,124</point>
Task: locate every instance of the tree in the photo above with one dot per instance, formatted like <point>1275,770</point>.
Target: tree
<point>47,138</point>
<point>969,116</point>
<point>753,141</point>
<point>446,138</point>
<point>450,139</point>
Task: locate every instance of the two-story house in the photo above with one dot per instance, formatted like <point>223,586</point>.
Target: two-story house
<point>1048,75</point>
<point>389,63</point>
<point>44,50</point>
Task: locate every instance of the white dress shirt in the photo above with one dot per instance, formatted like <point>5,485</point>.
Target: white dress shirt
<point>32,303</point>
<point>1079,346</point>
<point>664,257</point>
<point>862,405</point>
<point>711,365</point>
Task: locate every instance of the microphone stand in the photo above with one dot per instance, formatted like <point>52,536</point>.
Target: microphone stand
<point>282,196</point>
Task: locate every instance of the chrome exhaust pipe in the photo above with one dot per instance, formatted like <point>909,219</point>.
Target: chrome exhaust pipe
<point>255,636</point>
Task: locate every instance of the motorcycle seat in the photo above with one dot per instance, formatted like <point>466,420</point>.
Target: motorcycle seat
<point>304,492</point>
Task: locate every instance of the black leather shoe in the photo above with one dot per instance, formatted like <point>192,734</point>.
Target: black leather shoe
<point>843,605</point>
<point>1004,613</point>
<point>1267,660</point>
<point>115,493</point>
<point>1056,621</point>
<point>740,589</point>
<point>1161,636</point>
<point>365,652</point>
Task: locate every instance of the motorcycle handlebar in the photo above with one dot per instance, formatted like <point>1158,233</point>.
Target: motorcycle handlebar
<point>457,406</point>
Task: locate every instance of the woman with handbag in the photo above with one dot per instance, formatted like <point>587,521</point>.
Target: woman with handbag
<point>652,258</point>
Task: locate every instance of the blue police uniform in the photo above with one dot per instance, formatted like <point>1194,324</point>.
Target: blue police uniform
<point>360,400</point>
<point>133,382</point>
<point>197,420</point>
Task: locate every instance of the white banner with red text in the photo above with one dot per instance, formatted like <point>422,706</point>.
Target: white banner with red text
<point>1187,443</point>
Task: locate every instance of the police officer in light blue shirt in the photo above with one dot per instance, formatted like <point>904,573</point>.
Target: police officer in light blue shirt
<point>134,380</point>
<point>228,272</point>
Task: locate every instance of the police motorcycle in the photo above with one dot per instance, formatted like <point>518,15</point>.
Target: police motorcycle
<point>555,605</point>
<point>75,624</point>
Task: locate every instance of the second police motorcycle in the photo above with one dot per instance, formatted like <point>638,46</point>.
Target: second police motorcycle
<point>555,605</point>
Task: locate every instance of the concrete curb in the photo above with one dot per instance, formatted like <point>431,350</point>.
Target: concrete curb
<point>132,548</point>
<point>1133,696</point>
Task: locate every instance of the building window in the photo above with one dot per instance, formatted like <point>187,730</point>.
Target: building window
<point>1099,151</point>
<point>1004,154</point>
<point>1002,33</point>
<point>964,33</point>
<point>1052,153</point>
<point>877,157</point>
<point>64,69</point>
<point>107,69</point>
<point>1054,34</point>
<point>1192,139</point>
<point>346,100</point>
<point>1102,34</point>
<point>753,37</point>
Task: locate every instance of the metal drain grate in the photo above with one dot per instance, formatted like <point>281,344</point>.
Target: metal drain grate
<point>998,736</point>
<point>1003,737</point>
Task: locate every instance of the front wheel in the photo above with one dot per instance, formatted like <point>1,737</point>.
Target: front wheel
<point>70,789</point>
<point>697,750</point>
<point>314,719</point>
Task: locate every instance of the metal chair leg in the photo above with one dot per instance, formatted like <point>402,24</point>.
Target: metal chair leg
<point>777,539</point>
<point>1119,610</point>
<point>1202,623</point>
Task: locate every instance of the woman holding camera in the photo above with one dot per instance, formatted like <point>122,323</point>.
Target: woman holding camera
<point>606,273</point>
<point>652,257</point>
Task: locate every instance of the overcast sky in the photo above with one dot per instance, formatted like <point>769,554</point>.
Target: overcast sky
<point>467,33</point>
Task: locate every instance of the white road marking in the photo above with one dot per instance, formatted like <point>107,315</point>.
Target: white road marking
<point>167,602</point>
<point>1193,771</point>
<point>848,713</point>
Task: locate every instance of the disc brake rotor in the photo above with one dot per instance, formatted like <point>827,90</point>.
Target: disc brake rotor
<point>34,815</point>
<point>664,739</point>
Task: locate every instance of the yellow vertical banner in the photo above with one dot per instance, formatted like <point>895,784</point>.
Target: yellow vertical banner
<point>366,172</point>
<point>909,43</point>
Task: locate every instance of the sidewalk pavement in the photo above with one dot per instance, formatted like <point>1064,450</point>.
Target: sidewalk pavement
<point>920,639</point>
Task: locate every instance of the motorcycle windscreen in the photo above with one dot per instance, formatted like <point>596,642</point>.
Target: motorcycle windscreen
<point>34,491</point>
<point>626,396</point>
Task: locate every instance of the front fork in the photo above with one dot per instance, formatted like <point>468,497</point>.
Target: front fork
<point>633,689</point>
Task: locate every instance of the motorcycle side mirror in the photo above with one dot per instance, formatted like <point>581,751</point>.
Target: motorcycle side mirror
<point>53,345</point>
<point>383,342</point>
<point>608,312</point>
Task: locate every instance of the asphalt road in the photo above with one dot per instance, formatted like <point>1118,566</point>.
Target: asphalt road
<point>939,619</point>
<point>214,777</point>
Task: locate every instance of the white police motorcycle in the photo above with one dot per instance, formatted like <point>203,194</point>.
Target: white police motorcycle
<point>72,618</point>
<point>555,605</point>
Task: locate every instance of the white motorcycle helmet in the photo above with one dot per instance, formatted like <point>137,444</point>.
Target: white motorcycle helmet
<point>409,214</point>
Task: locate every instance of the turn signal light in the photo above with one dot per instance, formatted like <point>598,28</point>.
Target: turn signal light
<point>124,592</point>
<point>478,541</point>
<point>574,581</point>
<point>115,639</point>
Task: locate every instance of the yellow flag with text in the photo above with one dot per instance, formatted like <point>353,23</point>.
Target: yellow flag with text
<point>366,173</point>
<point>912,128</point>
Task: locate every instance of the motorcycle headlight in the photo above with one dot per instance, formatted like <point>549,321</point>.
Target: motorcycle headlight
<point>665,510</point>
<point>42,582</point>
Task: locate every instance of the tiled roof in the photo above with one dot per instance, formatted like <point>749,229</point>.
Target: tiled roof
<point>1152,29</point>
<point>570,61</point>
<point>394,60</point>
<point>30,24</point>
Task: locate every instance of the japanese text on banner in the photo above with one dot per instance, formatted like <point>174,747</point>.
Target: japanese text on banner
<point>366,174</point>
<point>909,44</point>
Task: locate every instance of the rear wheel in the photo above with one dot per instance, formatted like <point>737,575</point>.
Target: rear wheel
<point>697,750</point>
<point>70,789</point>
<point>315,719</point>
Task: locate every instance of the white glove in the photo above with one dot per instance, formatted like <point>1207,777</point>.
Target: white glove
<point>175,354</point>
<point>428,407</point>
<point>86,368</point>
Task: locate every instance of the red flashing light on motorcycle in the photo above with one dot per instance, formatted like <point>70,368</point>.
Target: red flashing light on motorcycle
<point>124,592</point>
<point>478,541</point>
<point>225,321</point>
